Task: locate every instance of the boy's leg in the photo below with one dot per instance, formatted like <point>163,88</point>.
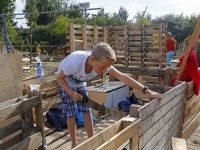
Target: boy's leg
<point>88,123</point>
<point>71,123</point>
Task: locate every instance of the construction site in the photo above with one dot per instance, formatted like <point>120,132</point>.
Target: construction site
<point>171,124</point>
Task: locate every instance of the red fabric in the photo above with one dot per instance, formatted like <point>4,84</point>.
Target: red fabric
<point>170,45</point>
<point>191,72</point>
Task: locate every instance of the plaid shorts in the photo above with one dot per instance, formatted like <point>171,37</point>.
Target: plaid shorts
<point>69,106</point>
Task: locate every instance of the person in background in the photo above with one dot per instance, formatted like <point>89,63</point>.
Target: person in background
<point>44,52</point>
<point>171,47</point>
<point>38,50</point>
<point>79,67</point>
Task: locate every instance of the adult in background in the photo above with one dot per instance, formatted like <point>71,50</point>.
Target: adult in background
<point>44,52</point>
<point>170,46</point>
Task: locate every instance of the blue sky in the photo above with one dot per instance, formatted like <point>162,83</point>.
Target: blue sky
<point>154,7</point>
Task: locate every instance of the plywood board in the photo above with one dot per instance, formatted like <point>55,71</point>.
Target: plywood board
<point>10,76</point>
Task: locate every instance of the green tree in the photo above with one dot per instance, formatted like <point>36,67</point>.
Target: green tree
<point>143,17</point>
<point>49,6</point>
<point>176,25</point>
<point>30,6</point>
<point>123,13</point>
<point>7,6</point>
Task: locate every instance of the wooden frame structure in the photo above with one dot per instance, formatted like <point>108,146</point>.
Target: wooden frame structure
<point>160,121</point>
<point>19,132</point>
<point>114,136</point>
<point>133,45</point>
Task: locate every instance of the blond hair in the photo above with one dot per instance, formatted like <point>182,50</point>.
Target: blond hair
<point>169,34</point>
<point>103,50</point>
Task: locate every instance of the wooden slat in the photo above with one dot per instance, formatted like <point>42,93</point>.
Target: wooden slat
<point>154,105</point>
<point>18,108</point>
<point>30,143</point>
<point>191,127</point>
<point>103,136</point>
<point>10,129</point>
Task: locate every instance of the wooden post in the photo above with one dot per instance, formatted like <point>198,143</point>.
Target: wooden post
<point>71,34</point>
<point>191,45</point>
<point>26,123</point>
<point>126,45</point>
<point>182,110</point>
<point>95,35</point>
<point>142,46</point>
<point>105,34</point>
<point>84,33</point>
<point>160,46</point>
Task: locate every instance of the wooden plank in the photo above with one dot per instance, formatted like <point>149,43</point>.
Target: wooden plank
<point>11,78</point>
<point>191,127</point>
<point>159,119</point>
<point>48,84</point>
<point>178,144</point>
<point>150,79</point>
<point>40,80</point>
<point>121,137</point>
<point>167,137</point>
<point>191,45</point>
<point>190,102</point>
<point>12,141</point>
<point>194,108</point>
<point>10,128</point>
<point>103,136</point>
<point>154,105</point>
<point>159,135</point>
<point>30,143</point>
<point>157,127</point>
<point>18,108</point>
<point>12,101</point>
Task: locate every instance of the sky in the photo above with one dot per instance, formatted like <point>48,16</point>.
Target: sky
<point>154,7</point>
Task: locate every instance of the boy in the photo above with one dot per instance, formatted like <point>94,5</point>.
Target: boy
<point>79,67</point>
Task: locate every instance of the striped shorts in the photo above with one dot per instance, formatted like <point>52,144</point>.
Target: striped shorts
<point>69,106</point>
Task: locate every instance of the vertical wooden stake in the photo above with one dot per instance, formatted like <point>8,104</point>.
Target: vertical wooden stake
<point>191,45</point>
<point>84,32</point>
<point>71,34</point>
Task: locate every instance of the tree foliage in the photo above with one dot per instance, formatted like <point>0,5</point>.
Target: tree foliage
<point>7,6</point>
<point>180,26</point>
<point>30,6</point>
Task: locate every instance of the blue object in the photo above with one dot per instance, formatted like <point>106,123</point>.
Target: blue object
<point>55,117</point>
<point>5,33</point>
<point>126,102</point>
<point>80,120</point>
<point>39,71</point>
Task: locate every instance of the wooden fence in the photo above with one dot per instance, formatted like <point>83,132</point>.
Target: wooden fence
<point>190,115</point>
<point>160,120</point>
<point>134,45</point>
<point>17,129</point>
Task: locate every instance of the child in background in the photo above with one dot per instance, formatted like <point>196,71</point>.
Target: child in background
<point>170,46</point>
<point>79,67</point>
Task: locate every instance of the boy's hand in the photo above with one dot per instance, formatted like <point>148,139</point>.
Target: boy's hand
<point>152,94</point>
<point>76,96</point>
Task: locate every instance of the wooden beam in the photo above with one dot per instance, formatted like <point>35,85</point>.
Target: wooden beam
<point>191,45</point>
<point>178,144</point>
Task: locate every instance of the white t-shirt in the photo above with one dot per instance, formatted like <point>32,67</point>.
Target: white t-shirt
<point>74,67</point>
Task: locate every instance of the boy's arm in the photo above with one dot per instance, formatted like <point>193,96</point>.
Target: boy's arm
<point>61,81</point>
<point>133,83</point>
